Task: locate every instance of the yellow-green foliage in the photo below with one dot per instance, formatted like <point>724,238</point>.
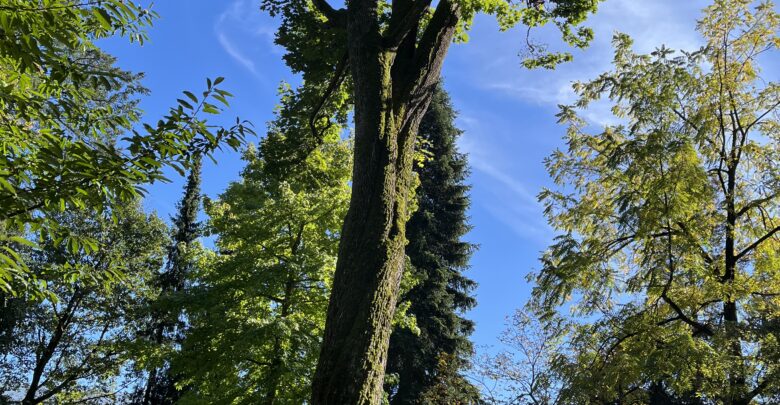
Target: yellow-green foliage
<point>258,311</point>
<point>668,250</point>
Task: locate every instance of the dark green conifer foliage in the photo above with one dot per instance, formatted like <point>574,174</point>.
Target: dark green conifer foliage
<point>438,257</point>
<point>167,327</point>
<point>186,230</point>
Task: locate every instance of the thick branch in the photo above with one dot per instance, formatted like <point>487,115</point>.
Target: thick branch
<point>48,351</point>
<point>757,390</point>
<point>335,17</point>
<point>755,203</point>
<point>75,373</point>
<point>400,27</point>
<point>697,326</point>
<point>428,59</point>
<point>338,77</point>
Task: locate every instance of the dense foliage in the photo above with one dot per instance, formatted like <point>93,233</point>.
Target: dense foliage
<point>65,107</point>
<point>257,311</point>
<point>76,348</point>
<point>669,244</point>
<point>424,363</point>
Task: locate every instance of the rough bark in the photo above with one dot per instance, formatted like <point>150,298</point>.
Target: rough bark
<point>392,89</point>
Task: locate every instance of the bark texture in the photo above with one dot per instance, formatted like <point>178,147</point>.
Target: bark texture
<point>393,79</point>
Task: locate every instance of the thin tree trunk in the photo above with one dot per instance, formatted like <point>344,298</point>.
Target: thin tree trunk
<point>737,381</point>
<point>277,363</point>
<point>30,397</point>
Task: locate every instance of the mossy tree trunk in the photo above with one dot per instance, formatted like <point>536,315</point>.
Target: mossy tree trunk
<point>393,83</point>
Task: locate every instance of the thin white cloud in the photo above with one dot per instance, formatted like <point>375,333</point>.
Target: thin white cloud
<point>506,198</point>
<point>243,19</point>
<point>234,53</point>
<point>490,66</point>
<point>508,182</point>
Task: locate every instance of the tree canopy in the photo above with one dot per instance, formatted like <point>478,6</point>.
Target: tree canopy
<point>71,133</point>
<point>668,250</point>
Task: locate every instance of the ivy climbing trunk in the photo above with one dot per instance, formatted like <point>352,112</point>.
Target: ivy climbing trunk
<point>392,89</point>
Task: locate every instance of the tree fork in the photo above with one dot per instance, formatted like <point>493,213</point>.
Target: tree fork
<point>392,90</point>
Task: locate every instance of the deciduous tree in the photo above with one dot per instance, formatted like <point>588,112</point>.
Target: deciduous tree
<point>74,348</point>
<point>669,222</point>
<point>387,56</point>
<point>60,127</point>
<point>257,308</point>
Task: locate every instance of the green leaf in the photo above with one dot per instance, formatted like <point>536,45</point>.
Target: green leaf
<point>184,103</point>
<point>191,96</point>
<point>103,17</point>
<point>7,186</point>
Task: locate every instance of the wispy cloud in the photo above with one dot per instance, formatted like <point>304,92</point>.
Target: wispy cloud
<point>234,53</point>
<point>505,197</point>
<point>243,19</point>
<point>650,23</point>
<point>508,187</point>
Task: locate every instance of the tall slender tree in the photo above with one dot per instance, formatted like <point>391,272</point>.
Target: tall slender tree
<point>166,327</point>
<point>438,256</point>
<point>392,53</point>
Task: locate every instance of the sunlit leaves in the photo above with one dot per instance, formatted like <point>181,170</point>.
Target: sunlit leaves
<point>257,311</point>
<point>70,134</point>
<point>668,218</point>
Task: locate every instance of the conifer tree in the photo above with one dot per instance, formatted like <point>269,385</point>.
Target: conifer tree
<point>438,256</point>
<point>166,328</point>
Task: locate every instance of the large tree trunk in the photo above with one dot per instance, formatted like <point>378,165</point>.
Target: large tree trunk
<point>371,254</point>
<point>392,89</point>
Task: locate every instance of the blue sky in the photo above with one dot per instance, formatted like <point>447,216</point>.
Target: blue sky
<point>506,111</point>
